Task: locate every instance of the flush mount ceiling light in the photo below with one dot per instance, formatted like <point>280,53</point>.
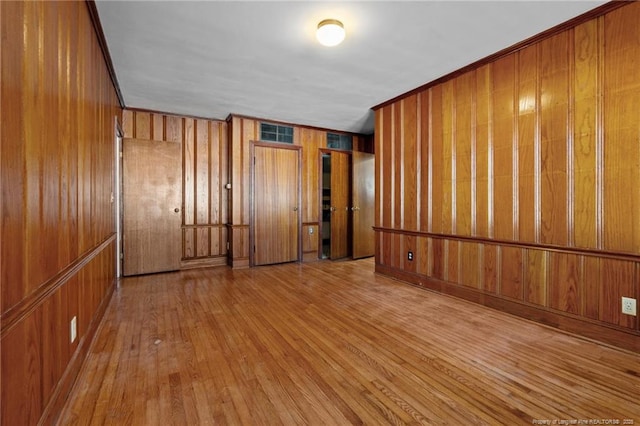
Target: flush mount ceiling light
<point>330,32</point>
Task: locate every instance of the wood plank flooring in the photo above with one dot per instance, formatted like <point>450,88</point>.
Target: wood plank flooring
<point>331,343</point>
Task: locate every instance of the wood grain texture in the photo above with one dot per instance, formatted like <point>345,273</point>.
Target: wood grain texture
<point>310,239</point>
<point>585,134</point>
<point>314,357</point>
<point>363,203</point>
<point>205,166</point>
<point>565,293</point>
<point>312,141</point>
<point>621,148</point>
<point>536,150</point>
<point>151,206</point>
<point>276,200</point>
<point>56,171</point>
<point>340,205</point>
<point>409,187</point>
<point>503,73</point>
<point>242,132</point>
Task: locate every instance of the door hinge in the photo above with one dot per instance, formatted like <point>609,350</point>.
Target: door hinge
<point>121,154</point>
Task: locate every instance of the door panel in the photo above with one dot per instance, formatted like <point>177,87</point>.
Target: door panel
<point>276,201</point>
<point>363,200</point>
<point>152,192</point>
<point>340,206</point>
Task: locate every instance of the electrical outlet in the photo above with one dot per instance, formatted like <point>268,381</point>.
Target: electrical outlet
<point>629,306</point>
<point>310,230</point>
<point>409,255</point>
<point>74,329</point>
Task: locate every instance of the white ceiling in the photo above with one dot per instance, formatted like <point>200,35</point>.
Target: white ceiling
<point>261,59</point>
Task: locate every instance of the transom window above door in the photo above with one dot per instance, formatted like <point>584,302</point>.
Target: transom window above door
<point>276,133</point>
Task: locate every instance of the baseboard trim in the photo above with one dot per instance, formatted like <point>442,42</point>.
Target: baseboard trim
<point>608,334</point>
<point>53,410</point>
<point>203,263</point>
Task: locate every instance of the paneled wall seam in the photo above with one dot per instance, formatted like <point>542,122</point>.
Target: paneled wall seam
<point>515,172</point>
<point>430,165</point>
<point>570,159</point>
<point>490,157</point>
<point>403,189</point>
<point>418,213</point>
<point>454,217</point>
<point>600,214</point>
<point>537,153</point>
<point>474,160</point>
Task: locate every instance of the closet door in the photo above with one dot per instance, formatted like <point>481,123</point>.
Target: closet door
<point>363,204</point>
<point>340,204</point>
<point>276,201</point>
<point>152,198</point>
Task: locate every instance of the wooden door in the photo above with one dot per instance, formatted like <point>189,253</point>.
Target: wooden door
<point>340,205</point>
<point>276,201</point>
<point>363,204</point>
<point>152,197</point>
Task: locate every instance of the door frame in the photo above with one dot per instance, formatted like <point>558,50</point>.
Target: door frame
<point>321,152</point>
<point>252,173</point>
<point>117,189</point>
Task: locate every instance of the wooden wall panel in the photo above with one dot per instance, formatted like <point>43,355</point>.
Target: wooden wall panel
<point>585,137</point>
<point>447,219</point>
<point>423,192</point>
<point>205,172</point>
<point>490,268</point>
<point>617,279</point>
<point>470,264</point>
<point>56,162</point>
<point>565,288</point>
<point>422,255</point>
<point>438,257</point>
<point>591,284</point>
<point>245,130</point>
<point>464,156</point>
<point>554,140</point>
<point>312,141</point>
<point>310,239</point>
<point>397,169</point>
<point>409,243</point>
<point>452,257</point>
<point>528,144</point>
<point>409,178</point>
<point>484,154</point>
<point>436,168</point>
<point>536,276</point>
<point>21,372</point>
<point>503,146</point>
<point>511,272</point>
<point>386,172</point>
<point>528,167</point>
<point>621,157</point>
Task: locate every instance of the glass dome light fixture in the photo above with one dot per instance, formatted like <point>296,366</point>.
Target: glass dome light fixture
<point>330,32</point>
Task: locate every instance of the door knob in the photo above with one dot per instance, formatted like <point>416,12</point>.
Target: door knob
<point>333,209</point>
<point>355,209</point>
<point>295,209</point>
<point>177,210</point>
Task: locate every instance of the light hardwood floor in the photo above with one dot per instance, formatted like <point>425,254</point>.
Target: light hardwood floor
<point>331,343</point>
